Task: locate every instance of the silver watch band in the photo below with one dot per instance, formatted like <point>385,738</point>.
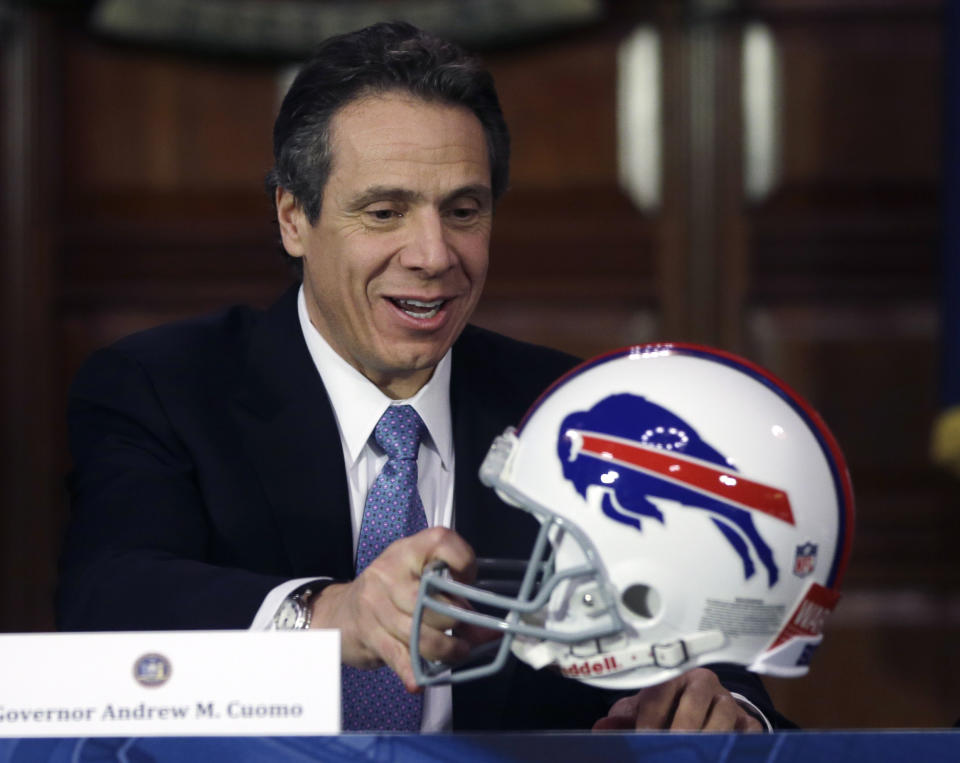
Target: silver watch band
<point>295,612</point>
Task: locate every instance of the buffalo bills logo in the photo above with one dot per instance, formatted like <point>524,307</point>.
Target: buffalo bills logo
<point>635,450</point>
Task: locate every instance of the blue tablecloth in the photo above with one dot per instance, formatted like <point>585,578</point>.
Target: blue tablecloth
<point>786,747</point>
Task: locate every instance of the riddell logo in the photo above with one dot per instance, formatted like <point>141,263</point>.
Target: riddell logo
<point>588,668</point>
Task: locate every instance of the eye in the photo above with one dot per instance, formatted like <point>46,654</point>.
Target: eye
<point>384,215</point>
<point>463,214</point>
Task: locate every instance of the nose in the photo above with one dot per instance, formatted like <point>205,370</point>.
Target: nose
<point>428,249</point>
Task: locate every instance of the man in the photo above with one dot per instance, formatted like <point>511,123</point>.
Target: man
<point>223,465</point>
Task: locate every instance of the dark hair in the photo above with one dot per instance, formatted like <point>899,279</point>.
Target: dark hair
<point>385,57</point>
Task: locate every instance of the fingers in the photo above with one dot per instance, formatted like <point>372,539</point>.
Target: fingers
<point>655,705</point>
<point>704,704</point>
<point>441,544</point>
<point>699,689</point>
<point>748,723</point>
<point>476,634</point>
<point>609,723</point>
<point>695,701</point>
<point>390,642</point>
<point>622,715</point>
<point>726,714</point>
<point>402,563</point>
<point>374,611</point>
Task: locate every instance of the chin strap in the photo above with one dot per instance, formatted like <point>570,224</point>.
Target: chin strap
<point>667,655</point>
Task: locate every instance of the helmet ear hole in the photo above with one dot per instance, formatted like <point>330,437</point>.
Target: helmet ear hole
<point>641,600</point>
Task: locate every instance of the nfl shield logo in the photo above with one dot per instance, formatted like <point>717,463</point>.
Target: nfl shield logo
<point>806,560</point>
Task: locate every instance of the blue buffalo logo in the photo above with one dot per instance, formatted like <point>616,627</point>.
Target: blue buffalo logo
<point>635,450</point>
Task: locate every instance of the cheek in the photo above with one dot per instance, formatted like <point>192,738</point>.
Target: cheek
<point>475,259</point>
<point>478,276</point>
<point>346,278</point>
<point>340,294</point>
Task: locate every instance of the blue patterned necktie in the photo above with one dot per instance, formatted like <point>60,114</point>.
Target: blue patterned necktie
<point>375,700</point>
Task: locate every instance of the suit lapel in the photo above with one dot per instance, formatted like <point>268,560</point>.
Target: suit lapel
<point>481,412</point>
<point>291,437</point>
<point>477,419</point>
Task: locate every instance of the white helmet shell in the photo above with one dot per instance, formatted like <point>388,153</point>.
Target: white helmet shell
<point>697,511</point>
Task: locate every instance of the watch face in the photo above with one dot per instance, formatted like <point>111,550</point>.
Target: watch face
<point>288,616</point>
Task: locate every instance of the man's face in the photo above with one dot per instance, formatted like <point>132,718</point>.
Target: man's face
<point>396,262</point>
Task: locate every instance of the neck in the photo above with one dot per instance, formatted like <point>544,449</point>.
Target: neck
<point>401,387</point>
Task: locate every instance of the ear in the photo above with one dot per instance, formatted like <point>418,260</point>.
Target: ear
<point>294,226</point>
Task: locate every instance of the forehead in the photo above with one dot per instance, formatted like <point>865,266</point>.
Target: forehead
<point>399,138</point>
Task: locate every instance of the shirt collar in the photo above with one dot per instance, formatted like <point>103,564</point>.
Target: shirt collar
<point>358,403</point>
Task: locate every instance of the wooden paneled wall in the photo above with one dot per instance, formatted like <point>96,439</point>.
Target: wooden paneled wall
<point>132,195</point>
<point>841,299</point>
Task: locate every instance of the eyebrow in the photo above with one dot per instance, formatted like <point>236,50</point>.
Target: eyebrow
<point>407,196</point>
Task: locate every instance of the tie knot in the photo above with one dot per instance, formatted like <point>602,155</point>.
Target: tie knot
<point>399,432</point>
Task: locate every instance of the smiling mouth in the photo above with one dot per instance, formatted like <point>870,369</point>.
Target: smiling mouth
<point>418,309</point>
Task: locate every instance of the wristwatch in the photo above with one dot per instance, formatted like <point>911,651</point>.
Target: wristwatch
<point>294,612</point>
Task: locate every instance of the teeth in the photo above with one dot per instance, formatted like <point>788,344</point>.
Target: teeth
<point>423,309</point>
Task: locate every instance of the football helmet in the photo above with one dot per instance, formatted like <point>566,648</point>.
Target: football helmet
<point>693,509</point>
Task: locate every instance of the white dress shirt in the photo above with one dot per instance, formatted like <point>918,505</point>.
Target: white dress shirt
<point>357,406</point>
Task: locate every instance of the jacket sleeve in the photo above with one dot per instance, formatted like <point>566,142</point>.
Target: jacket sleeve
<point>739,680</point>
<point>136,552</point>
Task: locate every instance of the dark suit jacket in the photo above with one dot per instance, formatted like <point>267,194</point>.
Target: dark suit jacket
<point>208,470</point>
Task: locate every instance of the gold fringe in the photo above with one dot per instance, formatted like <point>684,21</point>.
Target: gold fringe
<point>945,440</point>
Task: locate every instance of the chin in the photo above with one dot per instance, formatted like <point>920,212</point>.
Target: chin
<point>418,362</point>
<point>416,355</point>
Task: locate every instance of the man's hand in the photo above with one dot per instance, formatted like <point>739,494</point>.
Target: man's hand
<point>695,701</point>
<point>374,612</point>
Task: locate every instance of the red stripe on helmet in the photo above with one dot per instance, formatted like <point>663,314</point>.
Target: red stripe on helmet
<point>727,485</point>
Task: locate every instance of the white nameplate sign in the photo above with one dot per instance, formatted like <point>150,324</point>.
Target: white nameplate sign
<point>170,683</point>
